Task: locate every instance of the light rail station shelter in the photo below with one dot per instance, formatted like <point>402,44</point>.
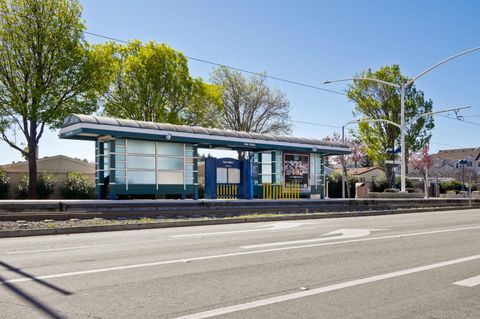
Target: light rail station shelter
<point>135,159</point>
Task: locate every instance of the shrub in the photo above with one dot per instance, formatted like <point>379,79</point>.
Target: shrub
<point>383,184</point>
<point>4,185</point>
<point>76,186</point>
<point>335,185</point>
<point>201,191</point>
<point>45,186</point>
<point>390,190</point>
<point>450,186</point>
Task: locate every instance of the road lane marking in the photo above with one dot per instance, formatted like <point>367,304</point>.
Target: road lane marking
<point>270,227</point>
<point>344,234</point>
<point>409,221</point>
<point>470,282</point>
<point>317,291</point>
<point>234,254</point>
<point>51,249</point>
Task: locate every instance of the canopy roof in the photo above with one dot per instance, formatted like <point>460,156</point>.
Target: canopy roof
<point>90,127</point>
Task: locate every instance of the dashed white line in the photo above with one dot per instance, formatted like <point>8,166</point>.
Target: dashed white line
<point>51,249</point>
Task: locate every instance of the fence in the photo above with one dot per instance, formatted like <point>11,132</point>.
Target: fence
<point>281,191</point>
<point>227,191</point>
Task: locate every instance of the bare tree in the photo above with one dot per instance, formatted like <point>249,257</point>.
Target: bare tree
<point>250,105</point>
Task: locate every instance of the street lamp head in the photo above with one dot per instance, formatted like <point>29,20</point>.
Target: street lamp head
<point>327,82</point>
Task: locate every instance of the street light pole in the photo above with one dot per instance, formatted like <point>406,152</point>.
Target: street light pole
<point>403,164</point>
<point>403,88</point>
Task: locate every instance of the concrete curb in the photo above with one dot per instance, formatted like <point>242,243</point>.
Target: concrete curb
<point>139,226</point>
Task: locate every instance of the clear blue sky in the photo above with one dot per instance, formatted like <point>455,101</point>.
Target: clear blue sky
<point>308,41</point>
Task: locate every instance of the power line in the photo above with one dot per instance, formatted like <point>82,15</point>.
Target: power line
<point>450,145</point>
<point>316,124</point>
<point>459,119</point>
<point>231,67</point>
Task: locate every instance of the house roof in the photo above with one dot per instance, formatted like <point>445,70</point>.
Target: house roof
<point>458,154</point>
<point>18,166</point>
<point>361,170</point>
<point>89,127</point>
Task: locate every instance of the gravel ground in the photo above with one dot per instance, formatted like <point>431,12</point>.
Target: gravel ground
<point>49,224</point>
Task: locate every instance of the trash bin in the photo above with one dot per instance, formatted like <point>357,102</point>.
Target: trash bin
<point>361,191</point>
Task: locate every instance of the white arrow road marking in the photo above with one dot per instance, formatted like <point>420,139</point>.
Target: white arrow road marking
<point>52,249</point>
<point>270,227</point>
<point>234,254</point>
<point>343,234</point>
<point>317,291</point>
<point>470,282</point>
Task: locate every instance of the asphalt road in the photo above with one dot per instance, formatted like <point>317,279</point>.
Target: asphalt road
<point>424,265</point>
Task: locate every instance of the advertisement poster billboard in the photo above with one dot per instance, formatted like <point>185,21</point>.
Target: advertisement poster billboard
<point>296,168</point>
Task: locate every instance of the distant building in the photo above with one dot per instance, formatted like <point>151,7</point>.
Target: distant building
<point>367,175</point>
<point>446,163</point>
<point>58,166</point>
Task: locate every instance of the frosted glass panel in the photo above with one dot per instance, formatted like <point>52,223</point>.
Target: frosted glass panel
<point>171,149</point>
<point>120,181</point>
<point>266,178</point>
<point>170,163</point>
<point>120,141</point>
<point>233,175</point>
<point>141,147</point>
<point>189,175</point>
<point>141,162</point>
<point>221,175</point>
<point>169,178</point>
<point>120,165</point>
<point>266,169</point>
<point>120,158</point>
<point>266,157</point>
<point>139,177</point>
<point>120,173</point>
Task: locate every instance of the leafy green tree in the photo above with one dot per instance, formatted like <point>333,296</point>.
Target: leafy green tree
<point>153,83</point>
<point>250,105</point>
<point>47,70</point>
<point>377,101</point>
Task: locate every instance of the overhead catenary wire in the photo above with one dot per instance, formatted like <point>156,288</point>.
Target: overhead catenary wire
<point>230,67</point>
<point>316,124</point>
<point>460,120</point>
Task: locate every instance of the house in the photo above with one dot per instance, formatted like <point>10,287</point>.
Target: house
<point>367,175</point>
<point>58,166</point>
<point>446,163</point>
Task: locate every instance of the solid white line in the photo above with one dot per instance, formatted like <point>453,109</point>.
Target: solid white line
<point>470,282</point>
<point>235,254</point>
<point>409,221</point>
<point>51,249</point>
<point>312,292</point>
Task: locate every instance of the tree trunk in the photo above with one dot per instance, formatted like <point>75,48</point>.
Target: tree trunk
<point>32,176</point>
<point>32,162</point>
<point>345,177</point>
